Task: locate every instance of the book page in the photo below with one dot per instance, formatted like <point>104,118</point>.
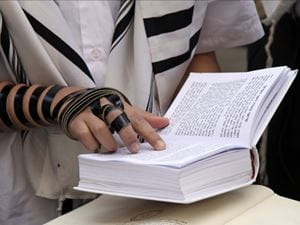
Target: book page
<point>271,106</point>
<point>219,106</point>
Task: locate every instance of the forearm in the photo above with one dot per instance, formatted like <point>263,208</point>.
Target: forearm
<point>205,62</point>
<point>23,107</point>
<point>201,63</point>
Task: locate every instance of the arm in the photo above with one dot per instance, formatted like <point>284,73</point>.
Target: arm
<point>24,107</point>
<point>203,62</point>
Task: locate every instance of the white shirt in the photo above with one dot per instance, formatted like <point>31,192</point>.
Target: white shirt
<point>93,25</point>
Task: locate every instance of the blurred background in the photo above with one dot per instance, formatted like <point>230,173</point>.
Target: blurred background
<point>233,60</point>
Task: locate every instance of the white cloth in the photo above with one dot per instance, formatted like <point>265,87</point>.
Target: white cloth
<point>229,24</point>
<point>18,203</point>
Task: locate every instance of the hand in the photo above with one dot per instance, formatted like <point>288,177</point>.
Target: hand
<point>93,132</point>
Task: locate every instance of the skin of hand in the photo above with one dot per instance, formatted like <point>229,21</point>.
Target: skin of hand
<point>93,132</point>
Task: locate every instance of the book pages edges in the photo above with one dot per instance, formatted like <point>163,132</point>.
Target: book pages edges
<point>273,106</point>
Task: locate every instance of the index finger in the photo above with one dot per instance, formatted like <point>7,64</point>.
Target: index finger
<point>143,128</point>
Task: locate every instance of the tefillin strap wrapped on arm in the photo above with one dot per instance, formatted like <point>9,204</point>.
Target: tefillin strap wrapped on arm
<point>23,107</point>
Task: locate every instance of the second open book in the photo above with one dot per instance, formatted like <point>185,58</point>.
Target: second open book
<point>215,122</point>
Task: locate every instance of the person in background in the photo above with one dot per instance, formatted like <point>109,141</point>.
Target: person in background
<point>280,145</point>
<point>142,49</point>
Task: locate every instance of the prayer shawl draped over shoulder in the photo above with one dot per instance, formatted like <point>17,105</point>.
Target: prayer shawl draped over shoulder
<point>151,51</point>
<point>153,43</point>
<point>37,47</point>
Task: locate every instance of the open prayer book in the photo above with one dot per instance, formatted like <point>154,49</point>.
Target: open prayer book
<point>215,122</point>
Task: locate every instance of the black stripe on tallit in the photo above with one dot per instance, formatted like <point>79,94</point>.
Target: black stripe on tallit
<point>5,39</point>
<point>166,64</point>
<point>169,22</point>
<point>122,27</point>
<point>59,44</point>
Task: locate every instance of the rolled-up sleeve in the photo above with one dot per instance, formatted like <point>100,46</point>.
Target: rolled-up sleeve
<point>229,23</point>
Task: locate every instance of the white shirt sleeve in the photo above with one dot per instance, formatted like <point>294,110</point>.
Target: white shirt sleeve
<point>229,23</point>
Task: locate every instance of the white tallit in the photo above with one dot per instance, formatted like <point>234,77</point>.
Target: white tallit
<point>144,70</point>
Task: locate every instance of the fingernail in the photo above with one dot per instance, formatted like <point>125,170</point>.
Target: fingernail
<point>134,148</point>
<point>160,145</point>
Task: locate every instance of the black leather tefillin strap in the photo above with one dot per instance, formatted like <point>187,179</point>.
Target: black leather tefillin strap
<point>47,101</point>
<point>3,112</point>
<point>91,98</point>
<point>18,106</point>
<point>69,97</point>
<point>120,122</point>
<point>33,104</point>
<point>102,112</point>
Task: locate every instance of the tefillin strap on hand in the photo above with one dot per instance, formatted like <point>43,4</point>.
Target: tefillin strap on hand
<point>91,98</point>
<point>102,112</point>
<point>120,122</point>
